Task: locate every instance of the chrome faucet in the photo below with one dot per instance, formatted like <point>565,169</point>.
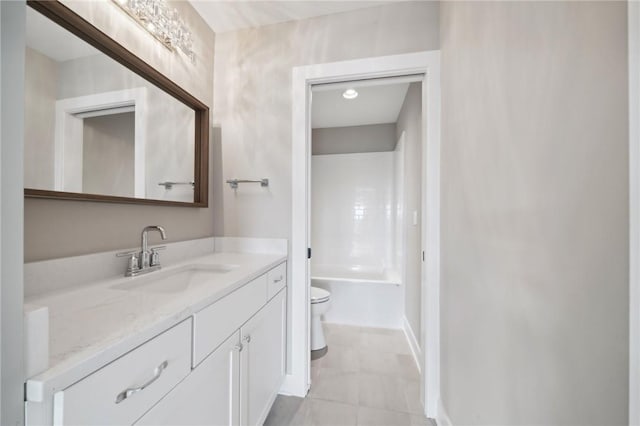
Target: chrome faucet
<point>146,260</point>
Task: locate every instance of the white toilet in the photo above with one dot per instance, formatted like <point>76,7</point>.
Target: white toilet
<point>320,302</point>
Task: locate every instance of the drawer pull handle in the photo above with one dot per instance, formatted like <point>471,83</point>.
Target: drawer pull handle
<point>156,375</point>
<point>277,280</point>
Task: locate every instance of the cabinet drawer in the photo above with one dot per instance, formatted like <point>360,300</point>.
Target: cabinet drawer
<point>148,372</point>
<point>213,324</point>
<point>276,279</point>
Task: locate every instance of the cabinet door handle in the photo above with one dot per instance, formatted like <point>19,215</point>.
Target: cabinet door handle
<point>157,372</point>
<point>247,339</point>
<point>238,347</point>
<point>277,280</point>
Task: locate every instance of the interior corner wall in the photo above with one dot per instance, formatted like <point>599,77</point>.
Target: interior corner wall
<point>59,228</point>
<point>252,107</point>
<point>534,174</point>
<point>410,122</point>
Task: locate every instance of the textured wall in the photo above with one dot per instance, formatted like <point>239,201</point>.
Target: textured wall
<point>534,213</point>
<point>410,122</point>
<point>64,228</point>
<point>351,139</point>
<point>253,96</point>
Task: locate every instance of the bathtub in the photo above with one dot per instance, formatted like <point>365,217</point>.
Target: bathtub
<point>368,296</point>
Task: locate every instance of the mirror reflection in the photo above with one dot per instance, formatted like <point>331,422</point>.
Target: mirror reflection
<point>95,127</point>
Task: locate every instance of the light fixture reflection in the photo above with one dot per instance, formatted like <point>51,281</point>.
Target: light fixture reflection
<point>350,94</point>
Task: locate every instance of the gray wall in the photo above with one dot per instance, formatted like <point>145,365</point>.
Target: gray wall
<point>40,86</point>
<point>352,139</point>
<point>108,154</point>
<point>534,213</point>
<point>253,96</point>
<point>410,121</point>
<point>64,228</point>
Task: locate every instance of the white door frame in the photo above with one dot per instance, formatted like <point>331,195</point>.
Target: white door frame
<point>68,134</point>
<point>634,211</point>
<point>428,63</point>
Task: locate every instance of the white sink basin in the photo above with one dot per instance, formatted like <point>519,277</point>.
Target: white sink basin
<point>175,281</point>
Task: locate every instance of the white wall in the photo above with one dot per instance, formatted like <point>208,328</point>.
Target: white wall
<point>352,199</point>
<point>534,302</point>
<point>253,96</point>
<point>12,124</point>
<point>410,122</point>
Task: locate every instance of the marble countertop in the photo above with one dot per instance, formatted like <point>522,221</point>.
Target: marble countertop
<point>93,324</point>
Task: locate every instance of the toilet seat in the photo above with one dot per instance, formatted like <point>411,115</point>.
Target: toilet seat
<point>319,295</point>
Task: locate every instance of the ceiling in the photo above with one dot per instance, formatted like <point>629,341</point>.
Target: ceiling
<point>223,16</point>
<point>53,41</point>
<point>375,104</point>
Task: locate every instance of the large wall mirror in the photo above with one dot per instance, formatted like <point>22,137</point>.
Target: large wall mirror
<point>103,125</point>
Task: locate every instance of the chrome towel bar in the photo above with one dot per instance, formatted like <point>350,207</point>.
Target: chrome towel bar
<point>233,183</point>
<point>169,184</point>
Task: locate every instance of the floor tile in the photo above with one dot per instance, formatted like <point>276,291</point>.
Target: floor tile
<point>342,335</point>
<point>335,385</point>
<point>376,417</point>
<point>421,421</point>
<point>412,397</point>
<point>341,358</point>
<point>408,368</point>
<point>317,412</point>
<point>367,377</point>
<point>379,391</point>
<point>394,343</point>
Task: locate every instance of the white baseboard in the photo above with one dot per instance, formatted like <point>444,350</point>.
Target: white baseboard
<point>413,342</point>
<point>442,418</point>
<point>291,386</point>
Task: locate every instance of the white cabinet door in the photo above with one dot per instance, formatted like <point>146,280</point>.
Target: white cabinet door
<point>262,360</point>
<point>210,395</point>
<point>122,391</point>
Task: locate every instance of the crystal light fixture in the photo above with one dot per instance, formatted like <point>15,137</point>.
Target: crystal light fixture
<point>161,22</point>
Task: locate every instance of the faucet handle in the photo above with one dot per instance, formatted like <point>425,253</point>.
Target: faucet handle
<point>127,253</point>
<point>155,256</point>
<point>133,261</point>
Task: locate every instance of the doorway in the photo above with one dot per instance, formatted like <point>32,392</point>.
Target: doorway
<point>424,63</point>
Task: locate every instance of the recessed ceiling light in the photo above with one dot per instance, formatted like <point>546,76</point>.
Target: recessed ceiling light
<point>350,94</point>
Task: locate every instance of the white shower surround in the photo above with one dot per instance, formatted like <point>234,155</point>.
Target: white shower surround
<point>354,226</point>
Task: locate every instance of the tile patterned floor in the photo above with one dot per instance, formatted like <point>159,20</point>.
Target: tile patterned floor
<point>368,377</point>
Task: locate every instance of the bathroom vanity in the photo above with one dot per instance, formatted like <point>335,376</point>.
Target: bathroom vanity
<point>200,342</point>
<point>200,339</point>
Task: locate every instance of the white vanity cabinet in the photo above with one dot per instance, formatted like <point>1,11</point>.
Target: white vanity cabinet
<point>210,395</point>
<point>262,360</point>
<point>124,390</point>
<point>237,383</point>
<point>223,365</point>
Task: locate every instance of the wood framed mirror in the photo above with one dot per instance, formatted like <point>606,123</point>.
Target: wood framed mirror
<point>102,124</point>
